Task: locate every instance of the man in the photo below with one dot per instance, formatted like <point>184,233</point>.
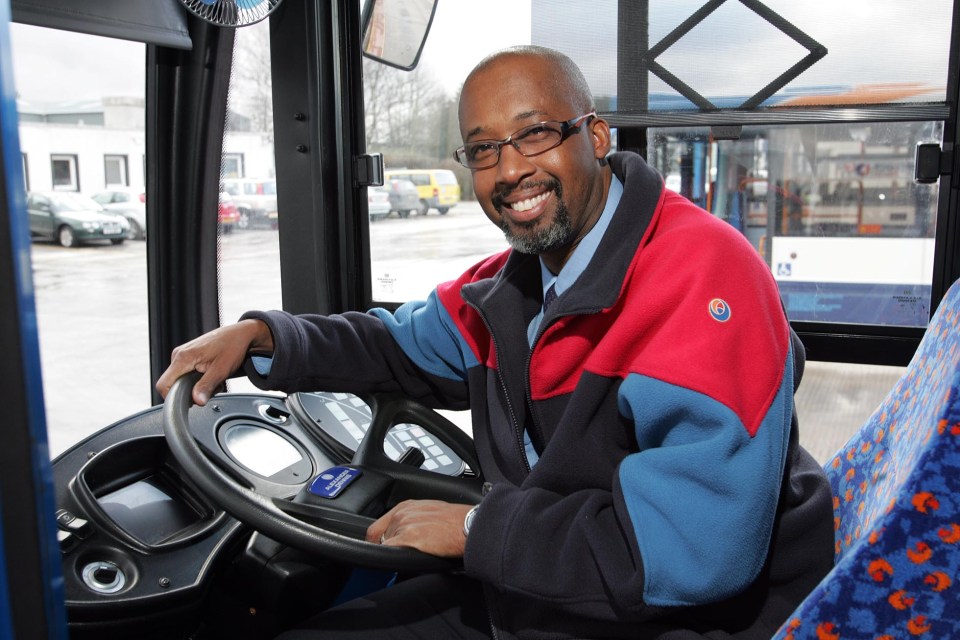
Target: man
<point>630,373</point>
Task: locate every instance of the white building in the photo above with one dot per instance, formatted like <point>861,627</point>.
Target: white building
<point>88,146</point>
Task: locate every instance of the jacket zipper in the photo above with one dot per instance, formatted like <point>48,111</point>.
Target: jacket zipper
<point>518,431</point>
<point>494,634</point>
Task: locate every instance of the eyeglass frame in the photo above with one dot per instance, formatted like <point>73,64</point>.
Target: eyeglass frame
<point>565,128</point>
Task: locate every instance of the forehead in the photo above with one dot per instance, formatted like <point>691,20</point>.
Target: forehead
<point>510,93</point>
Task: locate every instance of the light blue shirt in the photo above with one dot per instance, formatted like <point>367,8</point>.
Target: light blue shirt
<point>576,264</point>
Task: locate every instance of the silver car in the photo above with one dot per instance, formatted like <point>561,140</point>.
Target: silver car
<point>131,203</point>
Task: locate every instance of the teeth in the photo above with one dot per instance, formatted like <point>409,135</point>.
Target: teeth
<point>529,203</point>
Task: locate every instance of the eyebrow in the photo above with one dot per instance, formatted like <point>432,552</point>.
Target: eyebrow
<point>520,117</point>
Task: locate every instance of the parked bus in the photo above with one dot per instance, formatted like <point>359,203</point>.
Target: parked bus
<point>834,152</point>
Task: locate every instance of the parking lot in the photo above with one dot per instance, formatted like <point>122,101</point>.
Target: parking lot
<point>92,317</point>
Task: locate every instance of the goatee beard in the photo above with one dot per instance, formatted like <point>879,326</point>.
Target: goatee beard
<point>528,239</point>
<point>525,237</point>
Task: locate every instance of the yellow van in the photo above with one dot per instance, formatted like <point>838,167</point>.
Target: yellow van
<point>438,188</point>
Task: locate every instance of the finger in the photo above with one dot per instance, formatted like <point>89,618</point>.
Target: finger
<point>209,383</point>
<point>379,531</point>
<point>171,375</point>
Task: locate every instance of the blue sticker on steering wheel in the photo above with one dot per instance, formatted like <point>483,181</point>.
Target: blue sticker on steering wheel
<point>333,481</point>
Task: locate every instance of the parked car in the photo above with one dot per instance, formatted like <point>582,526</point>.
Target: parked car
<point>228,217</point>
<point>378,203</point>
<point>129,202</point>
<point>404,197</point>
<point>72,219</point>
<point>256,201</point>
<point>437,188</point>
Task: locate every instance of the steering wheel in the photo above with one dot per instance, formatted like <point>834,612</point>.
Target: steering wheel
<point>333,528</point>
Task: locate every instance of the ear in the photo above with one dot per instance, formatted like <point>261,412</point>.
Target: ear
<point>600,132</point>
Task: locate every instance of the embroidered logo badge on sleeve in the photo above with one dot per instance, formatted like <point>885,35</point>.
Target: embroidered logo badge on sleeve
<point>719,310</point>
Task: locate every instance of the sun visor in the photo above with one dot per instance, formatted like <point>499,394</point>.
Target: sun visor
<point>159,22</point>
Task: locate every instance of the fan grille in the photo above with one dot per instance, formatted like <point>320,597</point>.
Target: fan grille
<point>231,13</point>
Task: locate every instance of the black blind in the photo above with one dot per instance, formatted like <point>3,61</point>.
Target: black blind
<point>159,22</point>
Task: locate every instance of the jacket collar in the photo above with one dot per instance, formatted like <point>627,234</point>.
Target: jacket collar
<point>518,284</point>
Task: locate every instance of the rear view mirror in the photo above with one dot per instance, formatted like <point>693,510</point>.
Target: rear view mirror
<point>394,31</point>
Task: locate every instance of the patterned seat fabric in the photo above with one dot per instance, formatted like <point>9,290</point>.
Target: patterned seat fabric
<point>896,487</point>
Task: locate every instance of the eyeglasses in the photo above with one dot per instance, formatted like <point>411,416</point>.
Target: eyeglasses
<point>529,141</point>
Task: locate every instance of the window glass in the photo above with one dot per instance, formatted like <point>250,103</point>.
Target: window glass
<point>115,171</point>
<point>411,118</point>
<point>812,199</point>
<point>232,165</point>
<point>816,52</point>
<point>832,208</point>
<point>91,299</point>
<point>64,172</point>
<point>249,247</point>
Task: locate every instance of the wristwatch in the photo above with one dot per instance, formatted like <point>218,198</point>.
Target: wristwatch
<point>468,520</point>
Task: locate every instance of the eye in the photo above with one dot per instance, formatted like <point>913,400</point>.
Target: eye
<point>538,132</point>
<point>482,149</point>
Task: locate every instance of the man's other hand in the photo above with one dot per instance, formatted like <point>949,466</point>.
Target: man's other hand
<point>432,526</point>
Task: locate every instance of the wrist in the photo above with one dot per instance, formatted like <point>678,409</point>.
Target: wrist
<point>261,338</point>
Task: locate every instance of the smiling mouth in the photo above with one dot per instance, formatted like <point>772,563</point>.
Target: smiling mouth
<point>547,188</point>
<point>529,203</point>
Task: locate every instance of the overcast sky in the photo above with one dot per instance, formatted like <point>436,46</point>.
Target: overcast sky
<point>53,65</point>
<point>868,41</point>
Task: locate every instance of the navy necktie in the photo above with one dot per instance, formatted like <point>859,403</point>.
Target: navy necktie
<point>549,297</point>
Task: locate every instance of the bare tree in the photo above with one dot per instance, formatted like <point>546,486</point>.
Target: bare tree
<point>403,108</point>
<point>407,113</point>
<point>251,85</point>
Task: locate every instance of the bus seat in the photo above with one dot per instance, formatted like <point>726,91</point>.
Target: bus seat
<point>896,488</point>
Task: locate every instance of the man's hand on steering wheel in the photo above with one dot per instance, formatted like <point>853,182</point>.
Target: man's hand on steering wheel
<point>431,526</point>
<point>216,355</point>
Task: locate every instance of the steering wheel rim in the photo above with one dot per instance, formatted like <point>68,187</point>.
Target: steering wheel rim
<point>264,514</point>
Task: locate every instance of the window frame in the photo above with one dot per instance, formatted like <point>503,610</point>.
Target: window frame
<point>73,164</point>
<point>124,168</point>
<point>239,160</point>
<point>854,343</point>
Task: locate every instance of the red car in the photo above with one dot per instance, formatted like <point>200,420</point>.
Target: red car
<point>227,215</point>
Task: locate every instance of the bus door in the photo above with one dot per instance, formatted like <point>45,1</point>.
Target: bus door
<point>31,598</point>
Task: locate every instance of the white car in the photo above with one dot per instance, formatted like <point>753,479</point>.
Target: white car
<point>131,203</point>
<point>378,202</point>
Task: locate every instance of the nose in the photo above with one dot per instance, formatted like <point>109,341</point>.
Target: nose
<point>513,166</point>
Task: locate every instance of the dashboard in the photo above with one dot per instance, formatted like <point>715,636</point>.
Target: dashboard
<point>140,540</point>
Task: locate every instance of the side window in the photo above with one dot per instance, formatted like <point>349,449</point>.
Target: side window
<point>232,165</point>
<point>64,172</point>
<point>115,171</point>
<point>94,294</point>
<point>249,247</point>
<point>832,208</point>
<point>432,235</point>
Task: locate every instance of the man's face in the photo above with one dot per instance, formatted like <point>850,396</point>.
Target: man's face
<point>543,203</point>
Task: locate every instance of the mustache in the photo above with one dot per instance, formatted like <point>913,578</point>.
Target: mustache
<point>498,197</point>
